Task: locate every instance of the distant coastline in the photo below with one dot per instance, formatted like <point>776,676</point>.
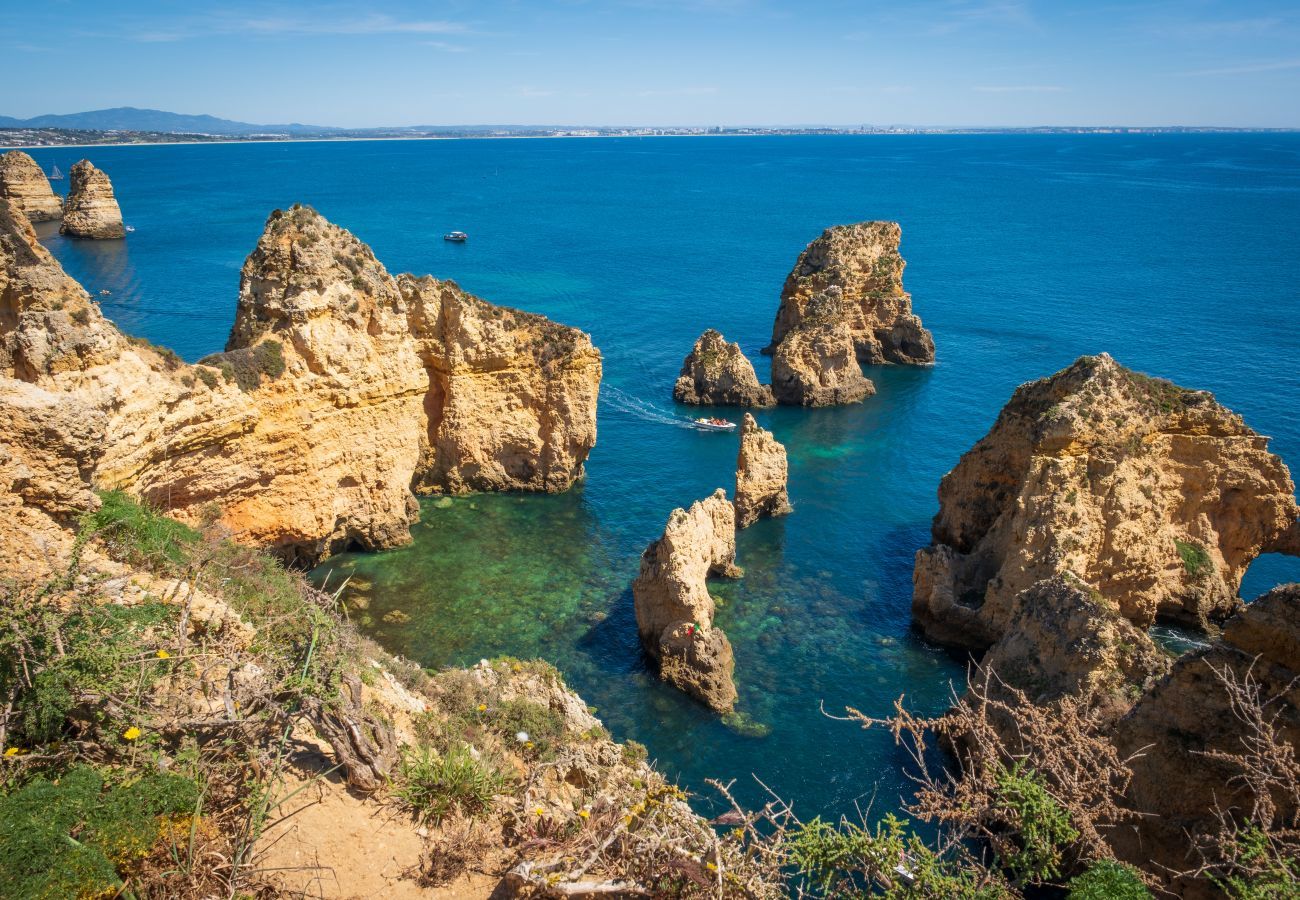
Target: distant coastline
<point>26,138</point>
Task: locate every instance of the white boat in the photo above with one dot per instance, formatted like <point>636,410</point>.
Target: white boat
<point>130,228</point>
<point>56,175</point>
<point>714,424</point>
<point>456,237</point>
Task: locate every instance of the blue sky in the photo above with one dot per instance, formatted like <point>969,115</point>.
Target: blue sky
<point>689,62</point>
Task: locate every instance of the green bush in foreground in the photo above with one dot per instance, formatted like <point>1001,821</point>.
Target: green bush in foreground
<point>1108,880</point>
<point>69,837</point>
<point>1196,560</point>
<point>433,784</point>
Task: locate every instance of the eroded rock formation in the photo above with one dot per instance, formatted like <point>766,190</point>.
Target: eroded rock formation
<point>761,473</point>
<point>861,265</point>
<point>91,210</point>
<point>1187,728</point>
<point>340,390</point>
<point>815,364</point>
<point>674,612</point>
<point>1154,496</point>
<point>23,182</point>
<point>1064,639</point>
<point>716,373</point>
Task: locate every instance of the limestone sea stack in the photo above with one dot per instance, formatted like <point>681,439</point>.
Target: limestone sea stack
<point>342,391</point>
<point>24,183</point>
<point>815,363</point>
<point>862,264</point>
<point>1152,497</point>
<point>674,612</point>
<point>716,373</point>
<point>761,473</point>
<point>91,210</point>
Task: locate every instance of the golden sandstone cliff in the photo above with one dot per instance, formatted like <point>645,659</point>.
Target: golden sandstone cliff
<point>716,373</point>
<point>674,611</point>
<point>1100,501</point>
<point>815,364</point>
<point>91,210</point>
<point>761,474</point>
<point>1153,496</point>
<point>23,182</point>
<point>342,389</point>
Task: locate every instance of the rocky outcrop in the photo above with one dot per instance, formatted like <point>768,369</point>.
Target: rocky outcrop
<point>674,612</point>
<point>341,391</point>
<point>861,265</point>
<point>1187,729</point>
<point>1154,496</point>
<point>512,395</point>
<point>761,472</point>
<point>23,183</point>
<point>91,210</point>
<point>1065,640</point>
<point>815,364</point>
<point>716,373</point>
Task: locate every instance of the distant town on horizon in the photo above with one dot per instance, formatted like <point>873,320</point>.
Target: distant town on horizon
<point>129,125</point>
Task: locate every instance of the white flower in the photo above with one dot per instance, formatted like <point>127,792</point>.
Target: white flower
<point>522,737</point>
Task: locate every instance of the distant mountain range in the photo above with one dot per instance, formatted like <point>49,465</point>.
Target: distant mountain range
<point>128,118</point>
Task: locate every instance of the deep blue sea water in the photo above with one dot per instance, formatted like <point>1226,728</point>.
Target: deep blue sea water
<point>1178,254</point>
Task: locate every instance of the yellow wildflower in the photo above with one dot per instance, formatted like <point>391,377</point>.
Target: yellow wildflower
<point>131,733</point>
<point>12,751</point>
<point>528,744</point>
<point>482,707</point>
<point>712,867</point>
<point>540,811</point>
<point>584,813</point>
<point>163,654</point>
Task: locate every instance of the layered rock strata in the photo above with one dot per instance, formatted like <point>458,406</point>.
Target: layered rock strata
<point>674,611</point>
<point>1154,496</point>
<point>1184,733</point>
<point>91,210</point>
<point>862,266</point>
<point>341,389</point>
<point>23,183</point>
<point>716,373</point>
<point>761,475</point>
<point>815,363</point>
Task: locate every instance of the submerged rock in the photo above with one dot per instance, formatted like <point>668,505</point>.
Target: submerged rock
<point>716,373</point>
<point>761,472</point>
<point>1155,496</point>
<point>861,264</point>
<point>815,363</point>
<point>340,390</point>
<point>24,183</point>
<point>91,210</point>
<point>674,611</point>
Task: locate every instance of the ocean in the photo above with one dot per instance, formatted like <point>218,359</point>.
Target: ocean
<point>1177,254</point>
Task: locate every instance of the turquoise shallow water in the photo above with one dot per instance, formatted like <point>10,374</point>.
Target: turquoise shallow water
<point>1176,253</point>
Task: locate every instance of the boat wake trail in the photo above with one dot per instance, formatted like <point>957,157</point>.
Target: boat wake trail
<point>638,408</point>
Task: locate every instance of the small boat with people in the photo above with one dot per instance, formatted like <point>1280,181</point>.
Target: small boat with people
<point>456,237</point>
<point>714,424</point>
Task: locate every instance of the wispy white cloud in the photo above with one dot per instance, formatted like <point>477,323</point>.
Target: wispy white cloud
<point>1018,88</point>
<point>446,47</point>
<point>528,90</point>
<point>1219,28</point>
<point>958,15</point>
<point>677,92</point>
<point>292,26</point>
<point>1249,68</point>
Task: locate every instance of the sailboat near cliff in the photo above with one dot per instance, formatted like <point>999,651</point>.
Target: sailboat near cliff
<point>56,175</point>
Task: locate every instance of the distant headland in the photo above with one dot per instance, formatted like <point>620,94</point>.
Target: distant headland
<point>129,125</point>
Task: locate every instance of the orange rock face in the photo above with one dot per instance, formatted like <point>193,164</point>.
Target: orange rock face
<point>1153,496</point>
<point>23,182</point>
<point>339,392</point>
